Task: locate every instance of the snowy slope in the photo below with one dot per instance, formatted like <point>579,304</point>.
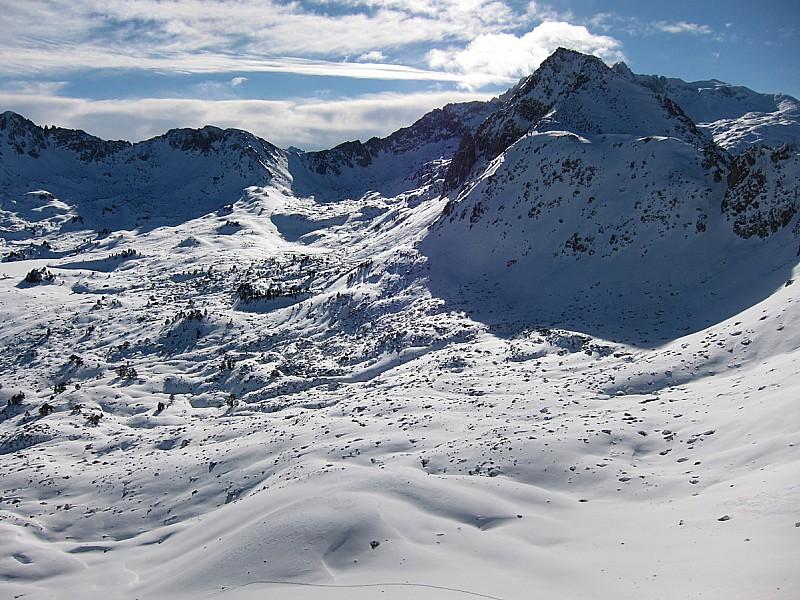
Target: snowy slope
<point>606,233</point>
<point>572,376</point>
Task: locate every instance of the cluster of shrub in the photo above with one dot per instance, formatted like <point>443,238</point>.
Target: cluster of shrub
<point>40,275</point>
<point>193,314</point>
<point>248,293</point>
<point>26,253</point>
<point>127,253</point>
<point>46,408</point>
<point>126,372</point>
<point>360,268</point>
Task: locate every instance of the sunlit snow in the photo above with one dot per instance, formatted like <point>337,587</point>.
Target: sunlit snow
<point>232,371</point>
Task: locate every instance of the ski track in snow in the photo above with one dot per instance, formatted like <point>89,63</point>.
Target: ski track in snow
<point>369,586</point>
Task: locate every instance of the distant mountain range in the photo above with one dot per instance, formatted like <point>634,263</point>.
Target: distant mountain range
<point>569,92</point>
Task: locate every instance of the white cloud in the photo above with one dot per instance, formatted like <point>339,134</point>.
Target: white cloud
<point>306,123</point>
<point>375,56</point>
<point>37,61</point>
<point>237,81</point>
<point>545,12</point>
<point>683,27</point>
<point>503,57</point>
<point>34,88</point>
<point>62,34</point>
<point>45,37</point>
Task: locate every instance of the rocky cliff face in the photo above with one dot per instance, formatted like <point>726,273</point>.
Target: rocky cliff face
<point>23,137</point>
<point>762,193</point>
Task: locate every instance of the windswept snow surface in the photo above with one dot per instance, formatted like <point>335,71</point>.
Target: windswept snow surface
<point>575,376</point>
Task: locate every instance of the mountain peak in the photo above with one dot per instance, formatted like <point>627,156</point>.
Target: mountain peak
<point>623,70</point>
<point>12,121</point>
<point>568,54</point>
<point>563,56</point>
<point>209,138</point>
<point>563,70</point>
<point>13,117</point>
<point>579,93</point>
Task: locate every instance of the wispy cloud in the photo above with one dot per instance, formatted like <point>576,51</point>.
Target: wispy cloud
<point>66,35</point>
<point>683,27</point>
<point>493,58</point>
<point>546,12</point>
<point>315,37</point>
<point>33,88</point>
<point>635,26</point>
<point>38,61</point>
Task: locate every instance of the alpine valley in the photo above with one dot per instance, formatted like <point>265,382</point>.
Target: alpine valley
<point>541,347</point>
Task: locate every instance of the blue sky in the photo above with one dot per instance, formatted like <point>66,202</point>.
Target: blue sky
<point>313,73</point>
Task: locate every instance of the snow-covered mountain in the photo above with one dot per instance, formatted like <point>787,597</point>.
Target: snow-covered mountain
<point>577,93</point>
<point>408,159</point>
<point>541,343</point>
<point>134,182</point>
<point>733,115</point>
<point>599,200</point>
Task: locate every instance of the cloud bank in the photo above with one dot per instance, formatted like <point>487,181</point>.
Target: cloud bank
<point>470,42</point>
<point>306,123</point>
<point>492,58</point>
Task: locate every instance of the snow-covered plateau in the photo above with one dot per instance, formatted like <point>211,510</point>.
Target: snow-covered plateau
<point>539,347</point>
